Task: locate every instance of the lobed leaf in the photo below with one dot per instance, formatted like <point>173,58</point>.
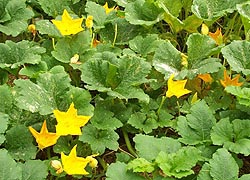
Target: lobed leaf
<point>34,169</point>
<point>55,7</point>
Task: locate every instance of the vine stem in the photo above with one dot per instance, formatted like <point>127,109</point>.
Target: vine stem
<point>127,141</point>
<point>116,31</point>
<point>162,102</point>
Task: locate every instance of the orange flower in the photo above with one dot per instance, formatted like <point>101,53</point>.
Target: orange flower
<point>206,78</point>
<point>230,82</point>
<point>217,36</point>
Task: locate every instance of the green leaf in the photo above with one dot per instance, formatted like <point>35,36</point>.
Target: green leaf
<point>233,136</point>
<point>33,71</point>
<point>19,143</point>
<point>144,45</point>
<point>140,165</point>
<point>67,47</point>
<point>63,144</point>
<point>99,139</point>
<point>164,144</point>
<point>98,12</point>
<point>210,10</point>
<point>55,7</point>
<point>174,7</point>
<point>242,94</point>
<point>121,80</point>
<point>119,169</point>
<point>238,61</point>
<point>204,173</point>
<point>4,120</point>
<point>167,59</point>
<point>13,20</point>
<point>103,118</point>
<point>179,164</point>
<point>34,169</point>
<point>46,95</point>
<point>245,177</point>
<point>145,122</point>
<point>191,23</point>
<point>245,16</point>
<point>195,127</point>
<point>6,99</point>
<point>14,54</point>
<point>223,166</point>
<point>9,168</point>
<point>143,12</point>
<point>199,48</point>
<point>124,33</point>
<point>46,27</point>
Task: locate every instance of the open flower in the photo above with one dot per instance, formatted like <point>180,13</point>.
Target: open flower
<point>206,78</point>
<point>107,9</point>
<point>217,36</point>
<point>69,122</point>
<point>230,82</point>
<point>73,164</point>
<point>176,88</point>
<point>67,25</point>
<point>44,138</point>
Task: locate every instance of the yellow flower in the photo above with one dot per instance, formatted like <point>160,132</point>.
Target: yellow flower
<point>230,82</point>
<point>176,88</point>
<point>32,29</point>
<point>206,78</point>
<point>57,166</point>
<point>69,122</point>
<point>44,138</point>
<point>217,36</point>
<point>74,59</point>
<point>107,9</point>
<point>73,164</point>
<point>89,22</point>
<point>92,161</point>
<point>67,25</point>
<point>204,29</point>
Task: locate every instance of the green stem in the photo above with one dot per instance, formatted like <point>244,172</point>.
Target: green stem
<point>162,102</point>
<point>116,31</point>
<point>102,162</point>
<point>48,153</point>
<point>179,112</point>
<point>129,146</point>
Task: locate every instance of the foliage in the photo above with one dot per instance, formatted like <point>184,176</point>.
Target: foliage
<point>124,89</point>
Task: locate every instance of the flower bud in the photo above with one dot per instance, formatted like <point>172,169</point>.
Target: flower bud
<point>57,166</point>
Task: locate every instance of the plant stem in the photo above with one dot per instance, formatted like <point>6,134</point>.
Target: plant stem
<point>129,146</point>
<point>162,102</point>
<point>102,162</point>
<point>116,30</point>
<point>48,153</point>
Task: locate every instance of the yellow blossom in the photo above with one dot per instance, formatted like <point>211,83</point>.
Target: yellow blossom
<point>217,36</point>
<point>69,122</point>
<point>89,22</point>
<point>67,25</point>
<point>230,82</point>
<point>44,138</point>
<point>206,77</point>
<point>32,29</point>
<point>57,165</point>
<point>73,164</point>
<point>92,161</point>
<point>95,42</point>
<point>176,88</point>
<point>74,59</point>
<point>107,9</point>
<point>204,29</point>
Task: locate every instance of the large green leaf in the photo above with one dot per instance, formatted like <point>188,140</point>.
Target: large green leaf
<point>14,54</point>
<point>119,169</point>
<point>4,120</point>
<point>120,80</point>
<point>140,165</point>
<point>223,166</point>
<point>46,95</point>
<point>144,45</point>
<point>243,9</point>
<point>242,94</point>
<point>19,143</point>
<point>9,168</point>
<point>34,169</point>
<point>55,7</point>
<point>67,47</point>
<point>46,27</point>
<point>195,127</point>
<point>237,55</point>
<point>164,144</point>
<point>99,139</point>
<point>210,10</point>
<point>233,136</point>
<point>6,99</point>
<point>143,12</point>
<point>14,16</point>
<point>98,12</point>
<point>179,164</point>
<point>167,59</point>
